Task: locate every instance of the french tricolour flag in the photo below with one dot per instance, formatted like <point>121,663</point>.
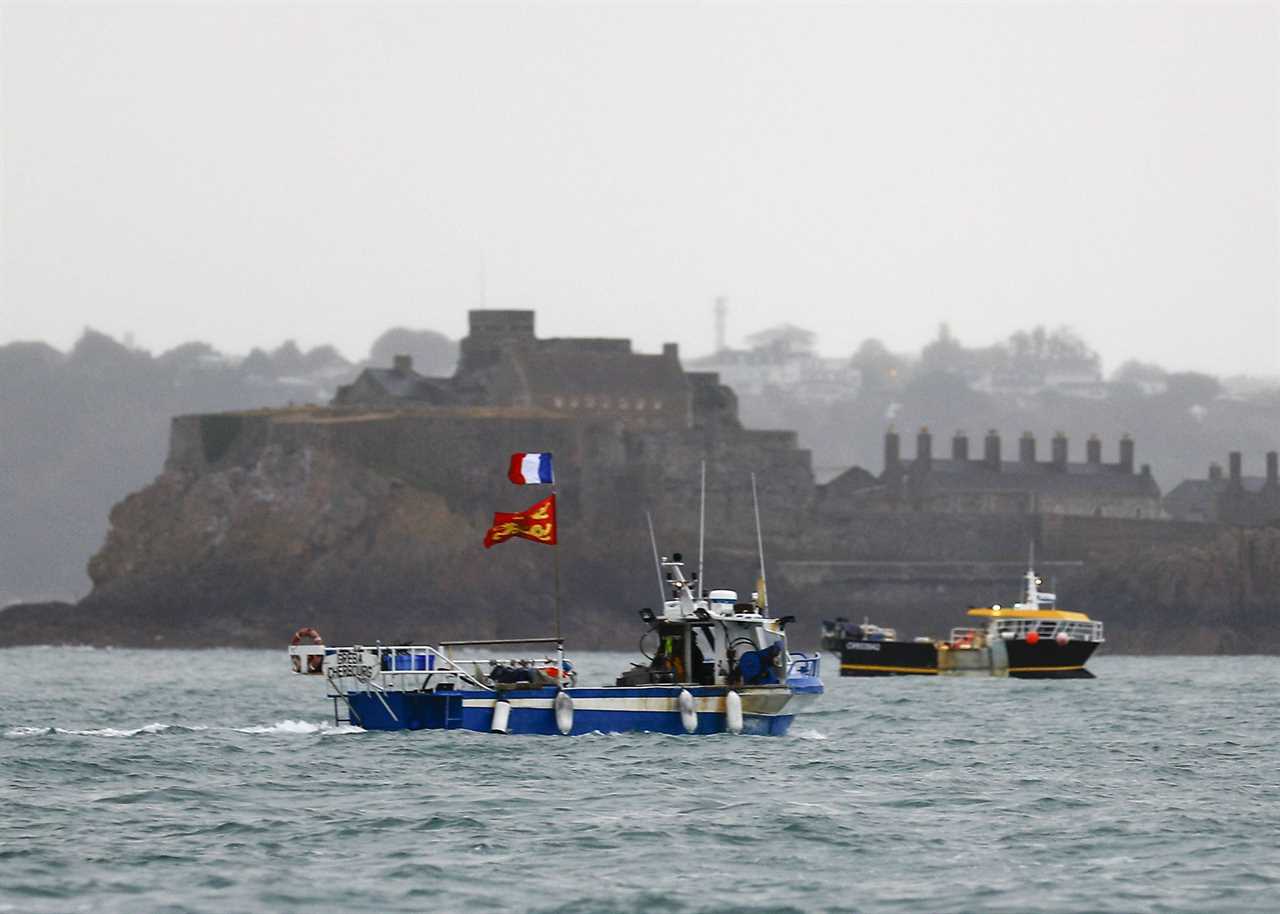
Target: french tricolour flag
<point>530,469</point>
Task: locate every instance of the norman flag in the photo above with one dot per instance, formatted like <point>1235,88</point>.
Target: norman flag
<point>537,523</point>
<point>531,470</point>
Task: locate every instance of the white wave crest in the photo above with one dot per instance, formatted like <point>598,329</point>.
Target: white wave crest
<point>109,732</point>
<point>300,727</point>
<point>809,734</point>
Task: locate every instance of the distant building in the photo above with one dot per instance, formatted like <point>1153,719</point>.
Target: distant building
<point>503,363</point>
<point>989,484</point>
<point>782,359</point>
<point>1236,499</point>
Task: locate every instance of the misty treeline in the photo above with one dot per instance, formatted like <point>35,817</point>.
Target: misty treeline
<point>82,429</point>
<point>1040,381</point>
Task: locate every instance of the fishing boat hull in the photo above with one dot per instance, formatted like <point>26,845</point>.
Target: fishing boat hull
<point>653,709</point>
<point>1020,659</point>
<point>889,658</point>
<point>1049,660</point>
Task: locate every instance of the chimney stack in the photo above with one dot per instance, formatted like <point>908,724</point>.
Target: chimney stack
<point>960,447</point>
<point>1273,477</point>
<point>891,451</point>
<point>1126,453</point>
<point>671,351</point>
<point>1215,471</point>
<point>1234,460</point>
<point>1027,448</point>
<point>991,451</point>
<point>1060,452</point>
<point>924,449</point>
<point>1093,449</point>
<point>402,364</point>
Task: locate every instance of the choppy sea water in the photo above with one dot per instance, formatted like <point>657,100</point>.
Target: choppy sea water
<point>214,781</point>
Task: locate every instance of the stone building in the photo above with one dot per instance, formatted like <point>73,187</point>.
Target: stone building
<point>1235,499</point>
<point>503,363</point>
<point>987,483</point>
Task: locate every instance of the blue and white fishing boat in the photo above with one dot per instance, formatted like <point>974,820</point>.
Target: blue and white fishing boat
<point>717,665</point>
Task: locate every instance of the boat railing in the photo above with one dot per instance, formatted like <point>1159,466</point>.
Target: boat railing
<point>400,667</point>
<point>967,637</point>
<point>414,667</point>
<point>801,664</point>
<point>1074,629</point>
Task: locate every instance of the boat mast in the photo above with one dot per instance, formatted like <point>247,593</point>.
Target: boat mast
<point>657,563</point>
<point>1031,597</point>
<point>702,525</point>
<point>764,584</point>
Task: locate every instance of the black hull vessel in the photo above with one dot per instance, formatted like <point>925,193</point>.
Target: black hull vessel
<point>1023,641</point>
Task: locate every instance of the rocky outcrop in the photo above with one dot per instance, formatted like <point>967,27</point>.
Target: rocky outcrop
<point>1222,597</point>
<point>369,527</point>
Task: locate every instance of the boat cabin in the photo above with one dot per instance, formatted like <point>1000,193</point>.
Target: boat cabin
<point>709,639</point>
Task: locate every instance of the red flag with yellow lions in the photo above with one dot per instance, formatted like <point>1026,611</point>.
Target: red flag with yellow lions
<point>537,523</point>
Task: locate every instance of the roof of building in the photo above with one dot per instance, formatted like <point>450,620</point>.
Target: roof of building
<point>394,383</point>
<point>1199,497</point>
<point>600,373</point>
<point>952,476</point>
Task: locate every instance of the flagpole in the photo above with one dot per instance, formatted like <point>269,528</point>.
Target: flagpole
<point>556,599</point>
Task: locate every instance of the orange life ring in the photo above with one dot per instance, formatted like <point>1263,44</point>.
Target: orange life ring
<point>964,641</point>
<point>315,662</point>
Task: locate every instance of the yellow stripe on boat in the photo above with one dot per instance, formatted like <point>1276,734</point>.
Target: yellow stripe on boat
<point>1043,669</point>
<point>1005,612</point>
<point>888,669</point>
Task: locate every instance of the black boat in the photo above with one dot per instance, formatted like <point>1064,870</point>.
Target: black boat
<point>1024,640</point>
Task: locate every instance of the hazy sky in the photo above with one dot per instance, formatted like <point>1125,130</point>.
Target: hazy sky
<point>246,174</point>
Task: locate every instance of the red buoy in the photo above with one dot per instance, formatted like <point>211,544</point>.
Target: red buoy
<point>1033,636</point>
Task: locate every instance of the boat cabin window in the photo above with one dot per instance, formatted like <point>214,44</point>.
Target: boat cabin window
<point>687,651</point>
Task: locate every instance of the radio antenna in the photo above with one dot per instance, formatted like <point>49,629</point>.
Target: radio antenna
<point>764,584</point>
<point>702,525</point>
<point>657,563</point>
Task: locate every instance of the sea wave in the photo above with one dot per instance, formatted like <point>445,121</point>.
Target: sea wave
<point>300,728</point>
<point>151,729</point>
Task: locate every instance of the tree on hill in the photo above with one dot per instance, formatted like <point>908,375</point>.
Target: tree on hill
<point>783,340</point>
<point>434,354</point>
<point>880,368</point>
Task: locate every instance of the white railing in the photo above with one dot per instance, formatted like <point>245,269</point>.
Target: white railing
<point>801,664</point>
<point>1018,629</point>
<point>414,667</point>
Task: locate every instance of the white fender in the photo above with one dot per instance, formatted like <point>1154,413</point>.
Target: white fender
<point>501,716</point>
<point>564,712</point>
<point>688,713</point>
<point>733,712</point>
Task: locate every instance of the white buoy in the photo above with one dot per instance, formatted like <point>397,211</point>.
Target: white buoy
<point>564,713</point>
<point>733,712</point>
<point>688,713</point>
<point>1062,638</point>
<point>501,717</point>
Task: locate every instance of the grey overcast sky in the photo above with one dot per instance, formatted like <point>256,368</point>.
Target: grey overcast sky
<point>250,173</point>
